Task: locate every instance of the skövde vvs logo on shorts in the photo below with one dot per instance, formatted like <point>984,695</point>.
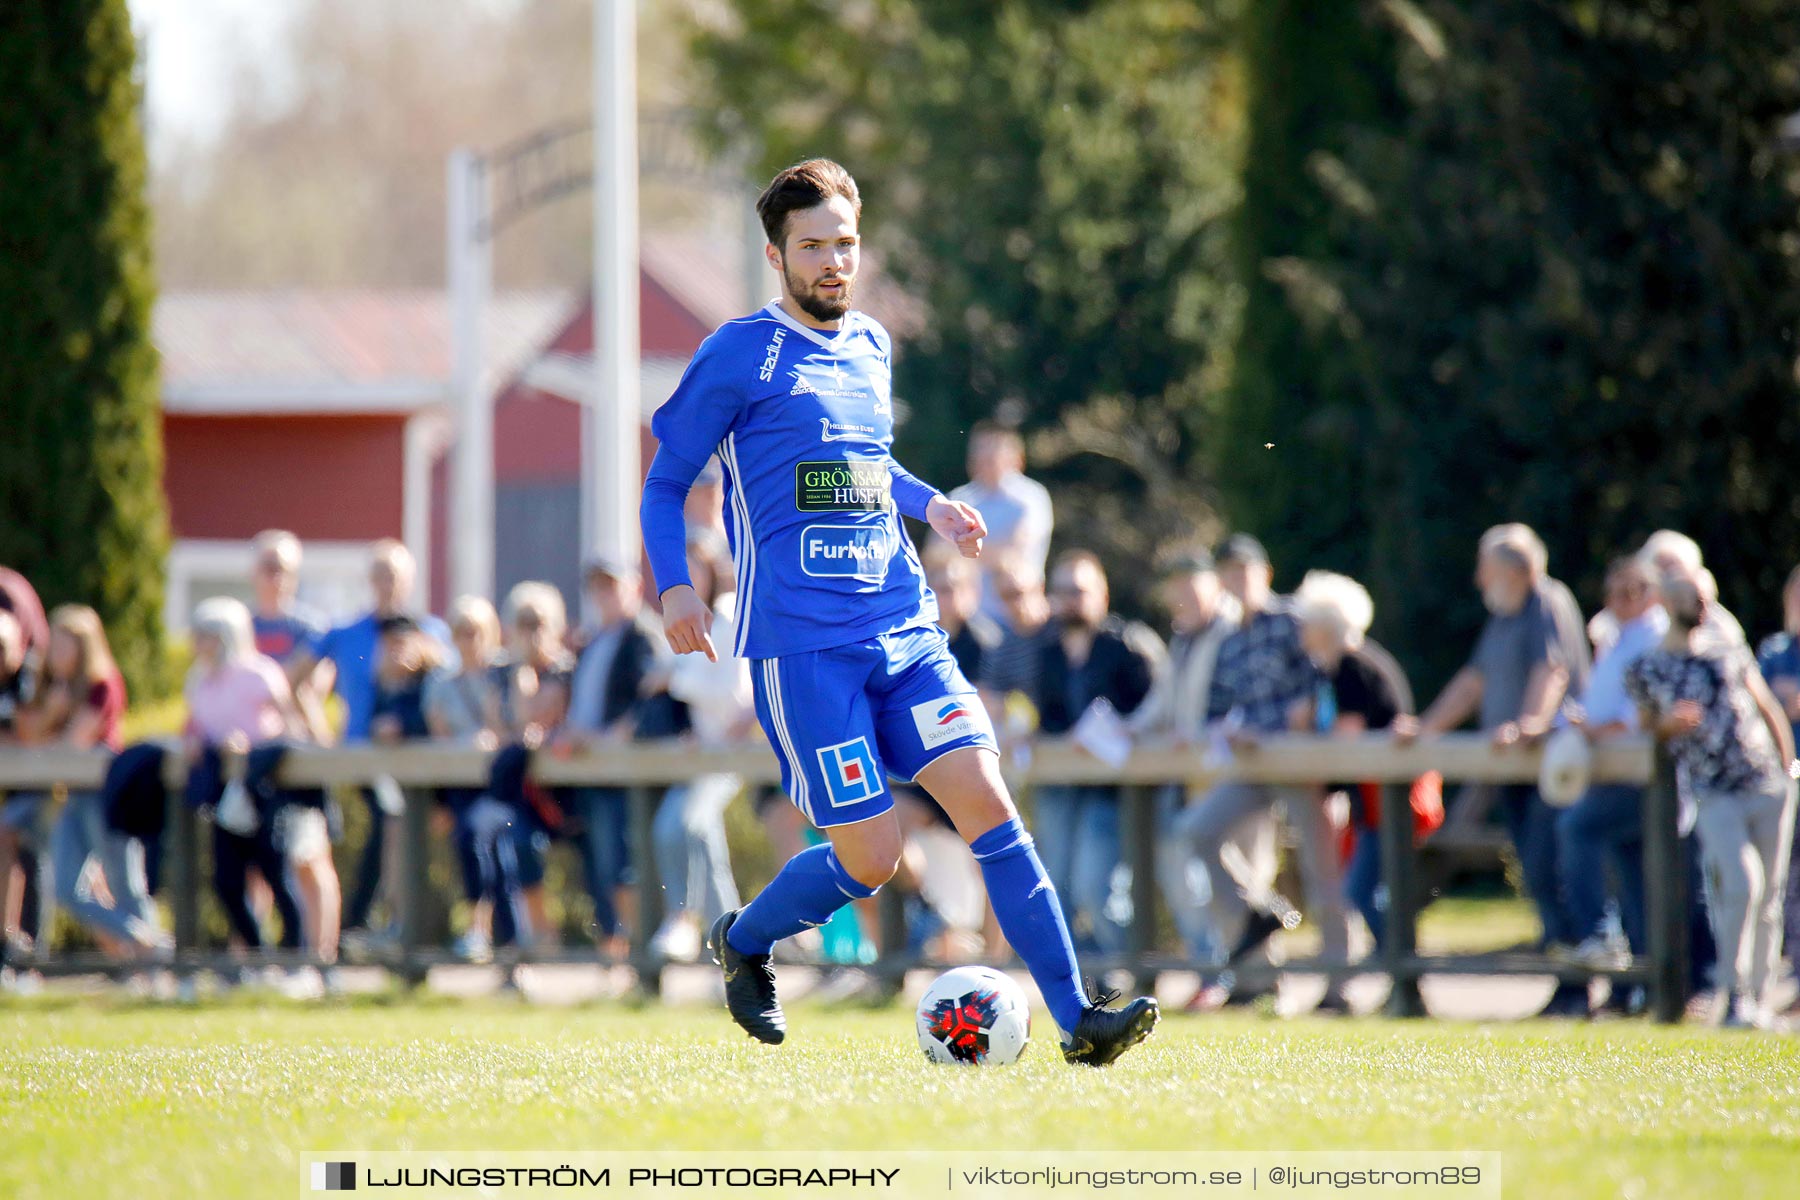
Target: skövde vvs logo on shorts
<point>846,551</point>
<point>945,719</point>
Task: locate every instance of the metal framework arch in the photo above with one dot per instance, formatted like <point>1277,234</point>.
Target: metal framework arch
<point>492,191</point>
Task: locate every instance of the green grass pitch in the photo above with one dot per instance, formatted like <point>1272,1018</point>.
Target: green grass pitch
<point>100,1099</point>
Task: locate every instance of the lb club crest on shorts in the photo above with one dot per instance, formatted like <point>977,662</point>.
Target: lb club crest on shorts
<point>851,776</point>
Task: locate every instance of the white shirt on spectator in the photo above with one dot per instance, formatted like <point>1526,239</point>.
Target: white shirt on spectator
<point>1019,517</point>
<point>1606,702</point>
<point>717,694</point>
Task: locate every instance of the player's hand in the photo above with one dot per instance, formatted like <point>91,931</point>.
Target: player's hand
<point>958,523</point>
<point>687,623</point>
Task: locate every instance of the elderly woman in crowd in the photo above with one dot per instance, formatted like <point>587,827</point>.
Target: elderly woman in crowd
<point>1732,745</point>
<point>1356,692</point>
<point>239,699</point>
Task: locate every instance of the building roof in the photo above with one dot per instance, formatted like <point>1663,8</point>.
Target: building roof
<point>387,350</point>
<point>350,350</point>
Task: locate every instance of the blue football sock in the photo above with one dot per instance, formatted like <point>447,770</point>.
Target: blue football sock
<point>1030,917</point>
<point>803,895</point>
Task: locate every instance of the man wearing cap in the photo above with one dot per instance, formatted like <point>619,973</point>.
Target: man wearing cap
<point>1263,673</point>
<point>1202,615</point>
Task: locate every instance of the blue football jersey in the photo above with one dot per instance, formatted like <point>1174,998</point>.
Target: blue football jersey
<point>802,421</point>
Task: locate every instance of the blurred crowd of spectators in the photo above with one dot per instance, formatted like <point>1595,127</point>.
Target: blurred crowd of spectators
<point>1236,664</point>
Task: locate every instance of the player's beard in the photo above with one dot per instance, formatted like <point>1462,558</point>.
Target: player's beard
<point>812,302</point>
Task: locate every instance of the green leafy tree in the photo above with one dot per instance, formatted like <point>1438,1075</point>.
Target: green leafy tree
<point>1291,444</point>
<point>81,456</point>
<point>1051,181</point>
<point>1562,287</point>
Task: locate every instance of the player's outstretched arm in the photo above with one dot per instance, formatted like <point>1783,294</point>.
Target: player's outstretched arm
<point>953,519</point>
<point>687,622</point>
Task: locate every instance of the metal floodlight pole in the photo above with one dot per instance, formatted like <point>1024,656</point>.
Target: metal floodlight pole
<point>758,287</point>
<point>611,471</point>
<point>470,264</point>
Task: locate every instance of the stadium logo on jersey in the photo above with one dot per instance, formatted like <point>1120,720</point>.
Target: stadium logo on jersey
<point>842,486</point>
<point>771,353</point>
<point>843,431</point>
<point>940,721</point>
<point>846,552</point>
<point>850,774</point>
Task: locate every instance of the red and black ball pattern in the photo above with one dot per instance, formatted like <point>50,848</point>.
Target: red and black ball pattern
<point>962,1024</point>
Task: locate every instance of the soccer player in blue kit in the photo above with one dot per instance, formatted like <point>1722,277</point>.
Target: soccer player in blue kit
<point>853,678</point>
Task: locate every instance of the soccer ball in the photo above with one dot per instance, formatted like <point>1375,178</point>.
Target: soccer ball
<point>975,1016</point>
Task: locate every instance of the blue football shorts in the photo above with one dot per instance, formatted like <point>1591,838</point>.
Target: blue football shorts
<point>842,720</point>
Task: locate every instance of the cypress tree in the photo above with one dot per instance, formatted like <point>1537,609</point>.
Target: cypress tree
<point>81,503</point>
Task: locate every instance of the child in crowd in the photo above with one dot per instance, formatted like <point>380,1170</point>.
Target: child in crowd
<point>463,706</point>
<point>80,703</point>
<point>239,699</point>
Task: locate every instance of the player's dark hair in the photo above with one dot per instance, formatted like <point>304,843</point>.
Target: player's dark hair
<point>804,185</point>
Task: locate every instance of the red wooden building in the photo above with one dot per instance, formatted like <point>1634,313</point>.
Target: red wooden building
<point>316,411</point>
<point>328,413</point>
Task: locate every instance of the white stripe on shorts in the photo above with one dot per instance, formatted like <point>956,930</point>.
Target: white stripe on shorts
<point>778,718</point>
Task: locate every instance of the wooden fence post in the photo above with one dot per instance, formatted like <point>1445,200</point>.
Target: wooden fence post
<point>1666,897</point>
<point>1398,875</point>
<point>181,870</point>
<point>641,804</point>
<point>1139,820</point>
<point>894,959</point>
<point>415,881</point>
